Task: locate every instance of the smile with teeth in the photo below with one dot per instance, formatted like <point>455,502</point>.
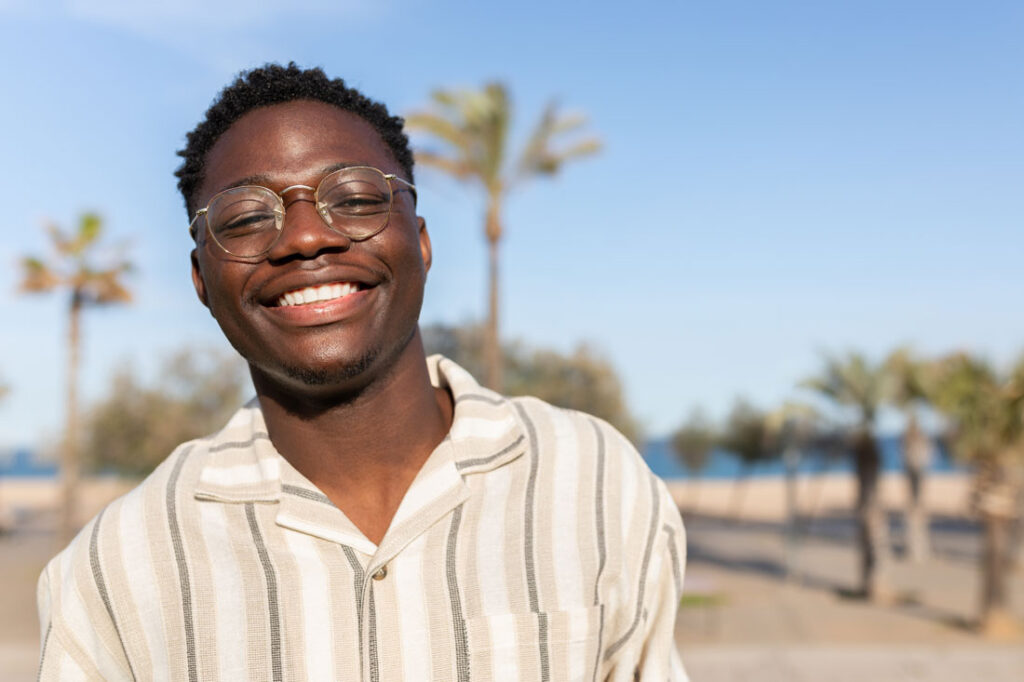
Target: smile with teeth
<point>325,292</point>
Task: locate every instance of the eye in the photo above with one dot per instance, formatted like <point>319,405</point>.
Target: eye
<point>354,203</point>
<point>242,225</point>
<point>353,193</point>
<point>239,214</point>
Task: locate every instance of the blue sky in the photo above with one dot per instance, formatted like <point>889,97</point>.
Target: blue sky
<point>812,176</point>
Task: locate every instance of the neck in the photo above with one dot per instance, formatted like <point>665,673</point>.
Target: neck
<point>364,446</point>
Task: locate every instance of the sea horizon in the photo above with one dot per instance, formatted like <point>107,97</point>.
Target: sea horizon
<point>723,464</point>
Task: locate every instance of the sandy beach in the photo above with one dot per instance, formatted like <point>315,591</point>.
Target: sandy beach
<point>764,498</point>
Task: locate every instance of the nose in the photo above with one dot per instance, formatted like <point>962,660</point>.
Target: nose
<point>304,232</point>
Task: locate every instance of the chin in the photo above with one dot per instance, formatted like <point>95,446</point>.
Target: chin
<point>332,376</point>
<point>347,373</point>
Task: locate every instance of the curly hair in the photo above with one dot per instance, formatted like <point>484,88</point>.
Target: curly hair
<point>276,84</point>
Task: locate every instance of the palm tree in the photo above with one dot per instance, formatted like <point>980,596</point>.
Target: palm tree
<point>908,377</point>
<point>88,284</point>
<point>471,128</point>
<point>986,412</point>
<point>853,382</point>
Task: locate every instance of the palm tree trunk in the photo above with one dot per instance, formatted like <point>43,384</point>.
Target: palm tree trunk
<point>740,485</point>
<point>69,455</point>
<point>791,459</point>
<point>872,526</point>
<point>492,340</point>
<point>997,495</point>
<point>917,456</point>
<point>995,565</point>
<point>918,545</point>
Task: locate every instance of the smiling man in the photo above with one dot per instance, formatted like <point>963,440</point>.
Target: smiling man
<point>373,514</point>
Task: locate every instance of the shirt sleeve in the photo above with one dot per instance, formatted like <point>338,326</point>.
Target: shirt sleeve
<point>650,653</point>
<point>78,639</point>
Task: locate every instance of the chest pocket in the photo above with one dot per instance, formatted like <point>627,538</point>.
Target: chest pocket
<point>556,645</point>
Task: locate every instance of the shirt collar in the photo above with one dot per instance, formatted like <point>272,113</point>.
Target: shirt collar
<point>242,465</point>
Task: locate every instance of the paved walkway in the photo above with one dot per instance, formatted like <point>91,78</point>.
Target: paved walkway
<point>22,558</point>
<point>877,663</point>
<point>743,620</point>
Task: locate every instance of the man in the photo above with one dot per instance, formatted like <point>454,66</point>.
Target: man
<point>373,514</point>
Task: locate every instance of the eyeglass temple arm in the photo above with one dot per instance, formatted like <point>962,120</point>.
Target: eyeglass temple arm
<point>392,176</point>
<point>192,225</point>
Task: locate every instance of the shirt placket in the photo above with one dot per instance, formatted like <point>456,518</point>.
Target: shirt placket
<point>369,663</point>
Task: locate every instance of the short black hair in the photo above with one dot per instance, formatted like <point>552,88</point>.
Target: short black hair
<point>276,84</point>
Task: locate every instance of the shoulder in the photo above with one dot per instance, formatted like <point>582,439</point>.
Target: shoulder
<point>571,433</point>
<point>143,517</point>
<point>123,519</point>
<point>597,452</point>
<point>86,584</point>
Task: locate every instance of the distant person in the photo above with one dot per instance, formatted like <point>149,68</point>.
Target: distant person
<point>373,514</point>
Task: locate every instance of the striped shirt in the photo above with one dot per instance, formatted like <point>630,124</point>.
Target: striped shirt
<point>534,544</point>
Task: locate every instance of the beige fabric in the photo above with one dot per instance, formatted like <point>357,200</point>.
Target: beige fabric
<point>535,544</point>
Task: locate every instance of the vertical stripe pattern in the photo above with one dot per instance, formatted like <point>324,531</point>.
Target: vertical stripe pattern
<point>273,613</point>
<point>458,623</point>
<point>529,533</point>
<point>533,546</point>
<point>358,580</point>
<point>101,583</point>
<point>599,539</point>
<point>179,557</point>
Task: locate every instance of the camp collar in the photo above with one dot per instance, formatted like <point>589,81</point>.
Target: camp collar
<point>242,465</point>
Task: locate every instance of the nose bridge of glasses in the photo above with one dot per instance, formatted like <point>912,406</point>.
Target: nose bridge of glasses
<point>288,196</point>
<point>285,200</point>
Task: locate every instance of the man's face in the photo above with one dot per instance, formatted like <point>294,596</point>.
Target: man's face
<point>334,344</point>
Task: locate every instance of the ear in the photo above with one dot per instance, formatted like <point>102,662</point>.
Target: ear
<point>197,279</point>
<point>425,250</point>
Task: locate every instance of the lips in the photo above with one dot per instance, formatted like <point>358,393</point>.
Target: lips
<point>299,287</point>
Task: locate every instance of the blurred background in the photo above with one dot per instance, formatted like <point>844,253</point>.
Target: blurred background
<point>777,244</point>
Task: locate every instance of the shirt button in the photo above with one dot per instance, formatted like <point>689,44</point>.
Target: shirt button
<point>381,573</point>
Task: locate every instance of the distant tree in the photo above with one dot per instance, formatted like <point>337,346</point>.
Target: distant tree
<point>4,390</point>
<point>855,383</point>
<point>74,267</point>
<point>692,443</point>
<point>694,440</point>
<point>582,380</point>
<point>471,130</point>
<point>135,426</point>
<point>986,413</point>
<point>908,376</point>
<point>745,434</point>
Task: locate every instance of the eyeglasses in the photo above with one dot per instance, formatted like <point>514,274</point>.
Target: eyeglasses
<point>247,221</point>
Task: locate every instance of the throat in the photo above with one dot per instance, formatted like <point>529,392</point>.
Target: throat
<point>370,508</point>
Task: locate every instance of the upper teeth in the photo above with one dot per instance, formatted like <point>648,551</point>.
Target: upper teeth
<point>324,292</point>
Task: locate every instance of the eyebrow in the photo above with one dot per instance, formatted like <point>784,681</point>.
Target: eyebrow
<point>262,179</point>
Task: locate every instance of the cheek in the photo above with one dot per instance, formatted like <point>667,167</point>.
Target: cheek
<point>223,282</point>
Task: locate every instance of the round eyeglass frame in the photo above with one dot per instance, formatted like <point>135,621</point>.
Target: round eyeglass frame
<point>280,210</point>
